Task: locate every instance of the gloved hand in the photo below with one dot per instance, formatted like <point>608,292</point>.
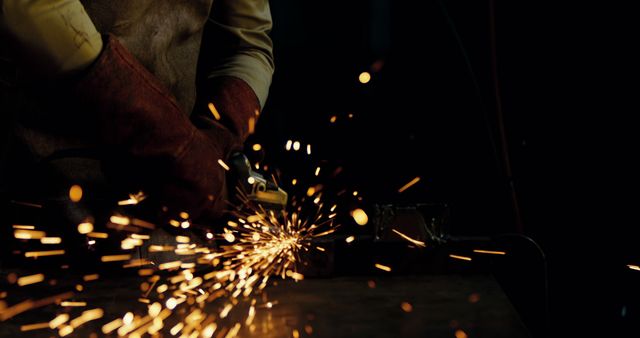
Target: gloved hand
<point>57,35</point>
<point>151,143</point>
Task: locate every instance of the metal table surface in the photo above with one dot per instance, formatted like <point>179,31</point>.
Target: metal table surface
<point>449,305</point>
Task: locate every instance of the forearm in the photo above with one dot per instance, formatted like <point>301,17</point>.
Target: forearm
<point>149,142</point>
<point>240,44</point>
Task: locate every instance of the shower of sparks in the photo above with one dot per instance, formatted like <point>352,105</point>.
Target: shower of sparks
<point>462,258</point>
<point>256,246</point>
<point>411,240</point>
<point>489,252</point>
<point>409,185</point>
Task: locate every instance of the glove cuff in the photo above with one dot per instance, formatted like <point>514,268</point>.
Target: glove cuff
<point>236,104</point>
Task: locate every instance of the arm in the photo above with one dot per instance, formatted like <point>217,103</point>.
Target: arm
<point>236,62</point>
<point>151,144</point>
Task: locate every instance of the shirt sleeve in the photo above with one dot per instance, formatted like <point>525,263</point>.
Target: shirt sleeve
<point>236,43</point>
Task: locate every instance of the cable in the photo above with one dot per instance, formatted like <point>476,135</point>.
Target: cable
<point>505,162</point>
<point>500,117</point>
<point>545,271</point>
<point>538,248</point>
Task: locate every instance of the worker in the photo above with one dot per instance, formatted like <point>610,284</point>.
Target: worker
<point>121,96</point>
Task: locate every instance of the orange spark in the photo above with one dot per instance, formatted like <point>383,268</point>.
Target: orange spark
<point>489,252</point>
<point>383,267</point>
<point>409,185</point>
<point>214,111</point>
<point>464,258</point>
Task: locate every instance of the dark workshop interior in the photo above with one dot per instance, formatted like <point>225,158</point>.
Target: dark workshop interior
<point>479,156</point>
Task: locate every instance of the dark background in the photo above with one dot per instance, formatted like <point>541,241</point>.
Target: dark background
<point>561,79</point>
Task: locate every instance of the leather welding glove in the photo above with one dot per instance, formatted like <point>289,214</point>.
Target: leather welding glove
<point>153,145</point>
<point>57,35</point>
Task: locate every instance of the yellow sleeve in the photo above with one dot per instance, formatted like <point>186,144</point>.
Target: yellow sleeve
<point>237,43</point>
<point>59,31</point>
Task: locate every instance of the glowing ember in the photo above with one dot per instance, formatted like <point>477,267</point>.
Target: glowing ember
<point>32,279</point>
<point>360,216</point>
<point>75,193</point>
<point>115,258</point>
<point>59,320</point>
<point>406,307</point>
<point>73,304</point>
<point>214,111</point>
<point>223,165</point>
<point>461,334</point>
<point>36,254</point>
<point>85,228</point>
<point>464,258</point>
<point>121,220</point>
<point>36,326</point>
<point>383,267</point>
<point>411,240</point>
<point>311,191</point>
<point>133,199</point>
<point>364,77</point>
<point>489,252</point>
<point>409,185</point>
<point>50,240</point>
<point>29,234</point>
<point>171,303</point>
